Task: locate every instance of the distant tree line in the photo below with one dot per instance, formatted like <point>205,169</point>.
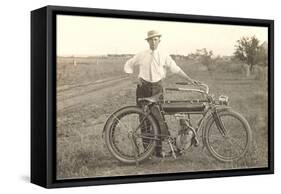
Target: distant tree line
<point>120,55</point>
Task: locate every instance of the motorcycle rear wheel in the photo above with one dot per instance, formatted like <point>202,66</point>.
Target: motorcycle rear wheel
<point>131,135</point>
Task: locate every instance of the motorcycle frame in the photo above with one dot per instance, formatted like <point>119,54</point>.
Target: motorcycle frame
<point>211,110</point>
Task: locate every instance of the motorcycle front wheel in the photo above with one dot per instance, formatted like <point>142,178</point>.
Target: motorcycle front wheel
<point>233,143</point>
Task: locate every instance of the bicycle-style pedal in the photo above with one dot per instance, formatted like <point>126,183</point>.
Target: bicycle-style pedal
<point>195,141</point>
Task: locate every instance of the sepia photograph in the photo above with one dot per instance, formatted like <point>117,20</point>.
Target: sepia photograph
<point>144,97</point>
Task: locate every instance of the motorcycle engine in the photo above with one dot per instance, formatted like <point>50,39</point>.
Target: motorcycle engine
<point>184,139</point>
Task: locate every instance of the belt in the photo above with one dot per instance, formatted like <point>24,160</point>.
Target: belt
<point>144,82</point>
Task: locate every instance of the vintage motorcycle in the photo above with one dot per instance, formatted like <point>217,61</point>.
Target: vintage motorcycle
<point>131,133</point>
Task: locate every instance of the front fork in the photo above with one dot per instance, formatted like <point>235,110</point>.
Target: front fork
<point>219,123</point>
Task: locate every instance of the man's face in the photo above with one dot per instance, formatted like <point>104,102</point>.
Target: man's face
<point>153,42</point>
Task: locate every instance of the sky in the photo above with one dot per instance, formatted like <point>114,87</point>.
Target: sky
<point>89,36</point>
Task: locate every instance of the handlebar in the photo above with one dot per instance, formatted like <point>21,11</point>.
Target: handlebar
<point>206,87</point>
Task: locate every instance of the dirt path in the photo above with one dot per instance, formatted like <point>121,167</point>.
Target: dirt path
<point>88,93</point>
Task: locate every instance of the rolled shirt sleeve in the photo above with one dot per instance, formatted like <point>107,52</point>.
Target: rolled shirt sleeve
<point>171,65</point>
<point>129,65</point>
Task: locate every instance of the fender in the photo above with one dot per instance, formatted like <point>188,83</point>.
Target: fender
<point>113,115</point>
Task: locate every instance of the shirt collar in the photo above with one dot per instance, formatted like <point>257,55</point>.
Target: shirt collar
<point>155,51</point>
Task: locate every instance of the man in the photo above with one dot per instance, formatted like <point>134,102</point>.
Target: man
<point>153,65</point>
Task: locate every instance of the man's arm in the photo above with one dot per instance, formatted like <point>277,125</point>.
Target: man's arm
<point>129,69</point>
<point>174,68</point>
<point>129,66</point>
<point>184,75</point>
<point>187,78</point>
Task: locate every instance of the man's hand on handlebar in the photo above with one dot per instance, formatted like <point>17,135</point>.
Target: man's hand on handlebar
<point>190,82</point>
<point>195,82</point>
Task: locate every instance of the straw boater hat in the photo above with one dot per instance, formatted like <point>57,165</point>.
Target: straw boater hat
<point>152,33</point>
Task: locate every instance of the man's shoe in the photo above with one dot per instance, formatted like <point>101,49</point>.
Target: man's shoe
<point>160,154</point>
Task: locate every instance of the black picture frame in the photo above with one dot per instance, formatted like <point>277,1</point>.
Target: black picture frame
<point>43,95</point>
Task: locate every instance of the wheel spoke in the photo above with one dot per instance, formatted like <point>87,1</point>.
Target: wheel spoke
<point>217,136</point>
<point>232,146</point>
<point>124,125</point>
<point>236,143</point>
<point>144,118</point>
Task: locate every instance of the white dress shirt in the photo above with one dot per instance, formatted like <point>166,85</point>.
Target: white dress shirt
<point>153,65</point>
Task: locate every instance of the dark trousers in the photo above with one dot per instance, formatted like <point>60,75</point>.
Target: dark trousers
<point>147,89</point>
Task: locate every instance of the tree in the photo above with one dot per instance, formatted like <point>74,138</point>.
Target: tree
<point>263,54</point>
<point>247,50</point>
<point>205,57</point>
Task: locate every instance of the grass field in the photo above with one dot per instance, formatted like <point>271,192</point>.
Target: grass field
<point>81,151</point>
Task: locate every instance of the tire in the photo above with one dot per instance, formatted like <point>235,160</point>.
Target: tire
<point>128,148</point>
<point>235,144</point>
